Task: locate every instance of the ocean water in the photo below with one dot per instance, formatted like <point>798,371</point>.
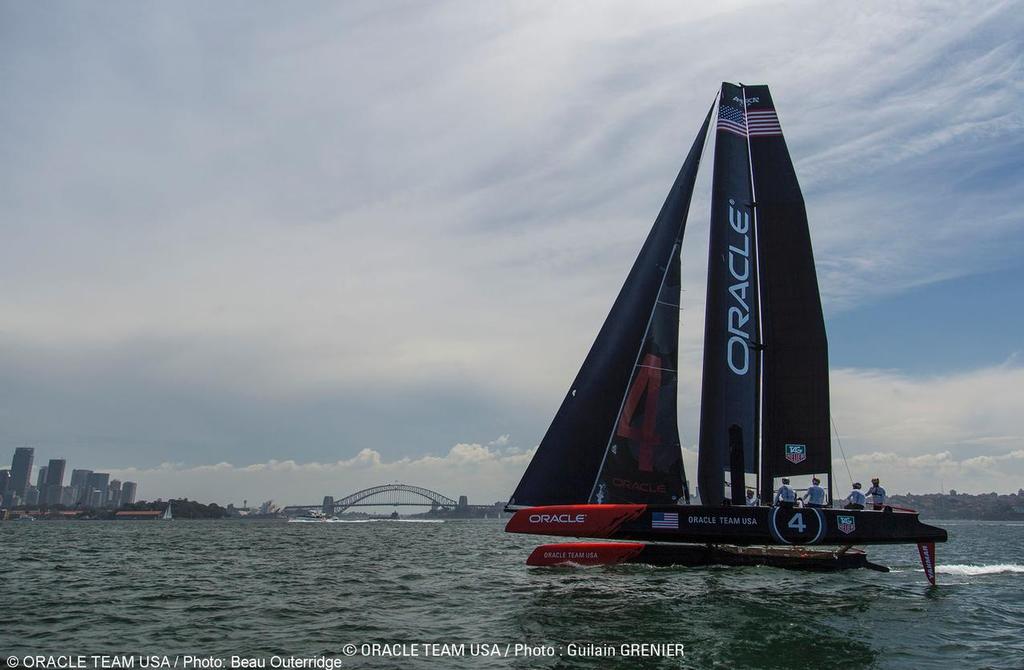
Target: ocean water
<point>263,589</point>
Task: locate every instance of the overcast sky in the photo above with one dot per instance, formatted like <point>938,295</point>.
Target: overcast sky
<point>282,250</point>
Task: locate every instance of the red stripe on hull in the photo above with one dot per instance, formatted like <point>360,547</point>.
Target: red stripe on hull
<point>584,553</point>
<point>573,520</point>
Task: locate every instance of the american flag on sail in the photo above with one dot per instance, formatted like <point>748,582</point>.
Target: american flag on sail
<point>763,122</point>
<point>730,119</point>
<point>665,520</point>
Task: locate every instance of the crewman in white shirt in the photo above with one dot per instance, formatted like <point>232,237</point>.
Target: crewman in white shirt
<point>856,498</point>
<point>815,496</point>
<point>785,496</point>
<point>876,494</point>
<point>752,500</point>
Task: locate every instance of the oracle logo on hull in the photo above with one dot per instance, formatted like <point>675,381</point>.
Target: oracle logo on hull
<point>558,518</point>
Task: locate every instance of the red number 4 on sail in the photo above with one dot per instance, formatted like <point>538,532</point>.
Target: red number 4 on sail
<point>643,437</point>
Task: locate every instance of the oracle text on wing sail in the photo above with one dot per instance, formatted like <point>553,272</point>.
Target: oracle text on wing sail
<point>737,353</point>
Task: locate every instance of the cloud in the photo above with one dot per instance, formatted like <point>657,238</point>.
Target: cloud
<point>927,473</point>
<point>483,472</point>
<point>920,434</point>
<point>960,431</point>
<point>330,228</point>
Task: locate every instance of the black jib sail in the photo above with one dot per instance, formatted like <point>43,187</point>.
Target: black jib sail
<point>729,397</point>
<point>615,437</point>
<point>796,437</point>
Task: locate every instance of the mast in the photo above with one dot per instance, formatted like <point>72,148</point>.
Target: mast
<point>759,345</point>
<point>615,437</point>
<point>729,397</point>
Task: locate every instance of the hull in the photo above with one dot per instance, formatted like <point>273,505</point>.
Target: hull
<point>690,555</point>
<point>743,526</point>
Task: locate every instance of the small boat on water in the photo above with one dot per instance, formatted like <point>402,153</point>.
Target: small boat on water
<point>313,516</point>
<point>610,465</point>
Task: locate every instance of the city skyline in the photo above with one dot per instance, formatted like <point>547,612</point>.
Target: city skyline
<point>85,489</point>
<point>329,248</point>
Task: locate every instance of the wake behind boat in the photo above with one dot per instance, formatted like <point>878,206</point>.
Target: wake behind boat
<point>610,465</point>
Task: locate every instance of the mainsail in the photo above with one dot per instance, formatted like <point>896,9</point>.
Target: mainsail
<point>615,437</point>
<point>795,431</point>
<point>729,397</point>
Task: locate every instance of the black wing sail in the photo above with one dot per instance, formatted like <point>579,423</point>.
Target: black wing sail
<point>729,395</point>
<point>637,345</point>
<point>796,437</point>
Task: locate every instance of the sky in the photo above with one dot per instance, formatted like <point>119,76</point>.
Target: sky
<point>284,250</point>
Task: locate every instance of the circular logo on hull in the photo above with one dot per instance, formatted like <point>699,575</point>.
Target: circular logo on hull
<point>797,525</point>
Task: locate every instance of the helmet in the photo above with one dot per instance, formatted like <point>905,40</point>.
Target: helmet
<point>856,485</point>
<point>874,480</point>
<point>785,480</point>
<point>816,480</point>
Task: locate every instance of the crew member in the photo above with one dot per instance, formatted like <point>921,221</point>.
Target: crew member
<point>752,500</point>
<point>856,498</point>
<point>876,494</point>
<point>815,496</point>
<point>785,496</point>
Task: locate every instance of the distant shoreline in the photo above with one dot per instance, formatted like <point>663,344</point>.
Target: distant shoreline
<point>951,506</point>
<point>954,506</point>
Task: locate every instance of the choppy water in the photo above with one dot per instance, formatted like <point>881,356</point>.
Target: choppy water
<point>225,588</point>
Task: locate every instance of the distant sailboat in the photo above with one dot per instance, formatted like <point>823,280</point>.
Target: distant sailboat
<point>610,465</point>
<point>167,512</point>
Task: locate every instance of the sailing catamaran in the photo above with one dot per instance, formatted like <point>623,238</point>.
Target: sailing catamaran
<point>610,465</point>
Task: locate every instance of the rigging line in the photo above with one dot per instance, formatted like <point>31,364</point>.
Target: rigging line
<point>709,133</point>
<point>636,364</point>
<point>841,450</point>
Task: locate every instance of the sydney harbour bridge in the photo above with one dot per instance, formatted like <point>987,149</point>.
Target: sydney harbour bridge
<point>397,495</point>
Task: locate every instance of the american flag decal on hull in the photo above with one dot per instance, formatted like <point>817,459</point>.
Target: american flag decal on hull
<point>763,123</point>
<point>665,520</point>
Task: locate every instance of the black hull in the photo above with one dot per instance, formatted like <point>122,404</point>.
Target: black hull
<point>743,526</point>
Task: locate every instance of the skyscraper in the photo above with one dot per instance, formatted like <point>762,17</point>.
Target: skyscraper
<point>98,481</point>
<point>54,480</point>
<point>55,472</point>
<point>128,490</point>
<point>80,482</point>
<point>21,470</point>
<point>114,493</point>
<point>5,483</point>
<point>41,480</point>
